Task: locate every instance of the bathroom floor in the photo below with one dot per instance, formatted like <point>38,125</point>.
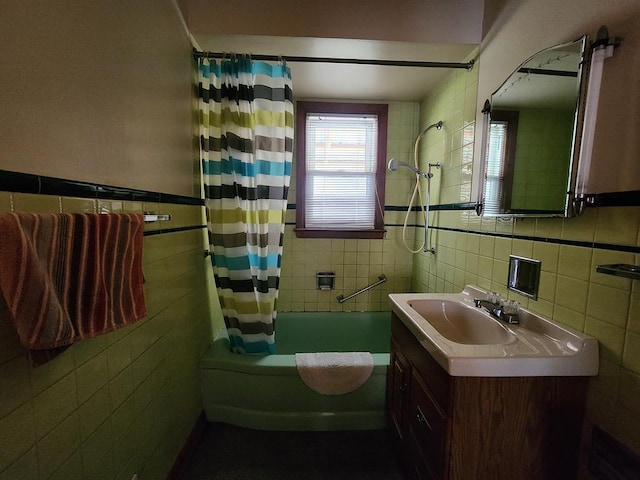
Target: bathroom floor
<point>226,452</point>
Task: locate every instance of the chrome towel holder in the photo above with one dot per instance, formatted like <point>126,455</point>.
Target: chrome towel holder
<point>156,217</point>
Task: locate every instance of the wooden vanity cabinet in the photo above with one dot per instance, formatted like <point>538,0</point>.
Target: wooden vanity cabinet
<point>398,388</point>
<point>467,428</point>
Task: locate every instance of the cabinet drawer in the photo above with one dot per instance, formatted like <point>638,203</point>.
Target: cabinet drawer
<point>427,425</point>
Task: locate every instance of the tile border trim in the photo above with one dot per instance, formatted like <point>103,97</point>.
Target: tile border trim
<point>41,185</point>
<point>160,231</point>
<point>559,241</point>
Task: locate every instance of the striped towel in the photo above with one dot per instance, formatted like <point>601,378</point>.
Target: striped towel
<point>66,277</point>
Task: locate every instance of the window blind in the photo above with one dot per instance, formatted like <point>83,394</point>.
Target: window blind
<point>341,162</point>
<point>494,171</point>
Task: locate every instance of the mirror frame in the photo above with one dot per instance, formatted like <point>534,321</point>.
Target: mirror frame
<point>578,121</point>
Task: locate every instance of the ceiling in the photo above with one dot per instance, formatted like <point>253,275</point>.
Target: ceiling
<point>539,88</point>
<point>409,30</point>
<point>350,81</point>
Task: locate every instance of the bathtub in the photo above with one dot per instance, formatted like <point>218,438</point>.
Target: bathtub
<point>266,392</point>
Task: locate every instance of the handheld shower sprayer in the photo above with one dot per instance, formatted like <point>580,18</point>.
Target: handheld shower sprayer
<point>393,166</point>
<point>394,163</point>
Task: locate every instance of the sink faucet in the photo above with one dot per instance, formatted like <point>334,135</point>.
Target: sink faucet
<point>499,309</point>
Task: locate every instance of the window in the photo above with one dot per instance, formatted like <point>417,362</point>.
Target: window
<point>340,169</point>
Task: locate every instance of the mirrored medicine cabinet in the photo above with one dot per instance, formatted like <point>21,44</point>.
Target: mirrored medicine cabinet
<point>531,135</point>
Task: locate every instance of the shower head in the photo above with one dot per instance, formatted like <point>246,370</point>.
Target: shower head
<point>394,163</point>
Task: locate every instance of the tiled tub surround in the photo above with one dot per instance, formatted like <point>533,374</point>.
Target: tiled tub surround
<point>356,263</point>
<point>125,402</point>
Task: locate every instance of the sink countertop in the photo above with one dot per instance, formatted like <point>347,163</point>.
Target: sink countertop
<point>537,346</point>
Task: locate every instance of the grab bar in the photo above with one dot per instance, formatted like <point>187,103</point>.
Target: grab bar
<point>342,298</point>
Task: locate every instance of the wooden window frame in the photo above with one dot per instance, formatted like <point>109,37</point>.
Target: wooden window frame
<point>303,108</point>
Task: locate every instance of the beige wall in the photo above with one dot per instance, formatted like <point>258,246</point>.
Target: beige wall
<point>97,91</point>
<point>475,250</point>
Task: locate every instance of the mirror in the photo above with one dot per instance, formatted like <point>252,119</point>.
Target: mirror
<point>531,135</point>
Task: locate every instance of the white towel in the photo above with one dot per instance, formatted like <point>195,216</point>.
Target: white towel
<point>334,373</point>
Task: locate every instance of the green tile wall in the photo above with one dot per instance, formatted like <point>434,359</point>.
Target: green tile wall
<point>121,403</point>
<point>571,291</point>
<point>542,159</point>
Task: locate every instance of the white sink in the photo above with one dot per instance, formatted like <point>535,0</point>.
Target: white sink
<point>468,341</point>
<point>462,323</point>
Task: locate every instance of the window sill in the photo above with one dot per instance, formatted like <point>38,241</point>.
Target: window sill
<point>321,233</point>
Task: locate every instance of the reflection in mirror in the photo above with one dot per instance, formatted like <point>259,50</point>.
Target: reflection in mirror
<point>531,135</point>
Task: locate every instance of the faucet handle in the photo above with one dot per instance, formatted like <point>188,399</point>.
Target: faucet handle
<point>493,297</point>
<point>511,307</point>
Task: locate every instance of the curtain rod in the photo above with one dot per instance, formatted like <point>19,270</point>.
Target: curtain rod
<point>357,61</point>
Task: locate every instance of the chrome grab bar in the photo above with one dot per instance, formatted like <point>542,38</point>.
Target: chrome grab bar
<point>381,279</point>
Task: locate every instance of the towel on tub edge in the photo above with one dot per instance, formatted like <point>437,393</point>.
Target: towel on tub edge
<point>334,373</point>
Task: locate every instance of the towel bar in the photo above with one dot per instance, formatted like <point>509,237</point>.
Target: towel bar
<point>381,279</point>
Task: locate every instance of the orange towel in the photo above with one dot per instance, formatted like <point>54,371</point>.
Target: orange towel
<point>66,277</point>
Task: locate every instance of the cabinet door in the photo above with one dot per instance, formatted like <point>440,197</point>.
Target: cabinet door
<point>398,389</point>
<point>427,428</point>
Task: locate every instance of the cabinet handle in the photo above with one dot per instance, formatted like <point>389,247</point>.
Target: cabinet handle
<point>403,388</point>
<point>422,420</point>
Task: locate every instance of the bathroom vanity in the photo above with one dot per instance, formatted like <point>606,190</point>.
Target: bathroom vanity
<point>477,425</point>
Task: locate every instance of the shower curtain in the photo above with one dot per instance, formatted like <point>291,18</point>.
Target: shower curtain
<point>246,122</point>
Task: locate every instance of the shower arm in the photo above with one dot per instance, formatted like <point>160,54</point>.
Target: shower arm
<point>438,126</point>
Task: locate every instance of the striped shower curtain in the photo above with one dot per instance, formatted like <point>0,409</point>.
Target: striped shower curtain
<point>246,115</point>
